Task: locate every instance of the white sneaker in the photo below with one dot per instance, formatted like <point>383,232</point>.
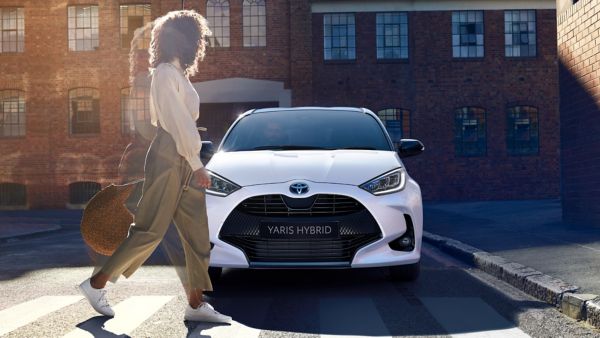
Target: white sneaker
<point>205,313</point>
<point>97,298</point>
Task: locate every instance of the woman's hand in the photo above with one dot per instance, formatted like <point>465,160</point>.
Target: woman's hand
<point>201,178</point>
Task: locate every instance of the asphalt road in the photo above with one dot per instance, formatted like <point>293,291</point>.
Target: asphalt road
<point>39,299</point>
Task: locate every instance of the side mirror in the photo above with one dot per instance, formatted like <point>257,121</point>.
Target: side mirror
<point>410,147</point>
<point>207,151</point>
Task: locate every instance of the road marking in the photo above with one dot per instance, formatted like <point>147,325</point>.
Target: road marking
<point>129,314</point>
<point>350,318</point>
<point>259,308</point>
<point>30,311</point>
<point>470,317</point>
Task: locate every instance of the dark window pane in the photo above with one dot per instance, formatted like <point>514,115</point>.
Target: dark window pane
<point>397,123</point>
<point>13,195</point>
<point>254,23</point>
<point>12,113</point>
<point>470,131</point>
<point>339,36</point>
<point>82,192</point>
<point>522,130</point>
<point>133,17</point>
<point>521,24</point>
<point>12,30</point>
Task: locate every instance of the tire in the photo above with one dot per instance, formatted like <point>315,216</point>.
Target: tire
<point>215,274</point>
<point>405,273</point>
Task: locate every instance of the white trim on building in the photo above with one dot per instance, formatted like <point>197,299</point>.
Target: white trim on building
<point>332,6</point>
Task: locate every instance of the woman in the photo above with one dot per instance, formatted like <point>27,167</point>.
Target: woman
<point>172,168</point>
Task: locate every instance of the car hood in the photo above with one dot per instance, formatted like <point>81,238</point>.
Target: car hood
<point>332,166</point>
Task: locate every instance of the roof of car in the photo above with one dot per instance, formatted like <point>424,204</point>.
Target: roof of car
<point>264,110</point>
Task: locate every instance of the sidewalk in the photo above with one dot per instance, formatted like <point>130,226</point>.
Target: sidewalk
<point>19,223</point>
<point>526,232</point>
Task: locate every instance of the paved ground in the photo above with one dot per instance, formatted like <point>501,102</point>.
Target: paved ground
<point>37,278</point>
<point>15,223</point>
<point>526,232</point>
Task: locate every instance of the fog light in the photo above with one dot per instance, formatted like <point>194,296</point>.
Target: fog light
<point>406,241</point>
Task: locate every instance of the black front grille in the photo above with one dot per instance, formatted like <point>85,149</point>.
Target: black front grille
<point>260,250</point>
<point>316,205</point>
<point>357,228</point>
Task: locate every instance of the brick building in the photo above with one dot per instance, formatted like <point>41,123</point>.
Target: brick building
<point>476,81</point>
<point>579,78</point>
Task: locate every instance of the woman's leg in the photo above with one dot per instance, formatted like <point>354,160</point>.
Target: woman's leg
<point>195,298</point>
<point>160,190</point>
<point>192,224</point>
<point>152,218</point>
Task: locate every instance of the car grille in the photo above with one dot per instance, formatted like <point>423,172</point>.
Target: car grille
<point>242,229</point>
<point>321,204</point>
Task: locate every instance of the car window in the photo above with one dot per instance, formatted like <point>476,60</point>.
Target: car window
<point>306,129</point>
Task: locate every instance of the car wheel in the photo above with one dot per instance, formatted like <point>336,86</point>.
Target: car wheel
<point>215,274</point>
<point>408,272</point>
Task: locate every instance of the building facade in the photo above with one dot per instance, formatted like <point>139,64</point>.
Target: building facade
<point>579,78</point>
<point>476,81</point>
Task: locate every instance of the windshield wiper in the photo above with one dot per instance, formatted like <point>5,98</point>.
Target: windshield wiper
<point>286,147</point>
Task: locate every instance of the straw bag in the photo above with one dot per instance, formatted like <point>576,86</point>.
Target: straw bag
<point>106,218</point>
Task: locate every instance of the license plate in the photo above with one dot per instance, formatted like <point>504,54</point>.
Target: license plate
<point>299,230</point>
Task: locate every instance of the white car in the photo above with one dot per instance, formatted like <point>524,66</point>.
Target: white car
<point>313,187</point>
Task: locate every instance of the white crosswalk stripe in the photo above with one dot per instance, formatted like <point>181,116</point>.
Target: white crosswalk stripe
<point>129,314</point>
<point>470,317</point>
<point>338,317</point>
<point>30,311</point>
<point>350,317</point>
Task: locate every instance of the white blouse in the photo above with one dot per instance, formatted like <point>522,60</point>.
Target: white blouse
<point>175,104</point>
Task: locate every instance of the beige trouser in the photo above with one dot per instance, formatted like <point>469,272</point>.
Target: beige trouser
<point>166,196</point>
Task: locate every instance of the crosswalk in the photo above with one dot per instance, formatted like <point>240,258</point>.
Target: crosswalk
<point>337,317</point>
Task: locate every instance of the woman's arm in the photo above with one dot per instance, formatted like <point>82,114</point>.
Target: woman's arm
<point>173,115</point>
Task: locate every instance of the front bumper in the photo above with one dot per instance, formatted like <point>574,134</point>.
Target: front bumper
<point>364,240</point>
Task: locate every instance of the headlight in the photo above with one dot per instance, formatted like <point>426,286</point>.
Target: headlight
<point>389,182</point>
<point>220,186</point>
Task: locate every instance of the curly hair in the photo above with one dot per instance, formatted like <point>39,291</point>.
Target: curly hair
<point>180,34</point>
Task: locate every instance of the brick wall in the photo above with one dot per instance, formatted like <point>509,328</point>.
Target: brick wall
<point>48,159</point>
<point>578,40</point>
<point>431,84</point>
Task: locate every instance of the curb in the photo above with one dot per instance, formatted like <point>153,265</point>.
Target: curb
<point>562,295</point>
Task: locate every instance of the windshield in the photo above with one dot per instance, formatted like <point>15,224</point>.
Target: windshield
<point>305,130</point>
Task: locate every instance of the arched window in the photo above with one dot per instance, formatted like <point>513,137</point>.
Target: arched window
<point>12,113</point>
<point>82,192</point>
<point>397,123</point>
<point>12,195</point>
<point>84,111</point>
<point>522,133</point>
<point>135,108</point>
<point>255,23</point>
<point>470,131</point>
<point>217,14</point>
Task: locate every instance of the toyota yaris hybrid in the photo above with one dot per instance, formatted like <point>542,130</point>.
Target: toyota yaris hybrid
<point>313,187</point>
